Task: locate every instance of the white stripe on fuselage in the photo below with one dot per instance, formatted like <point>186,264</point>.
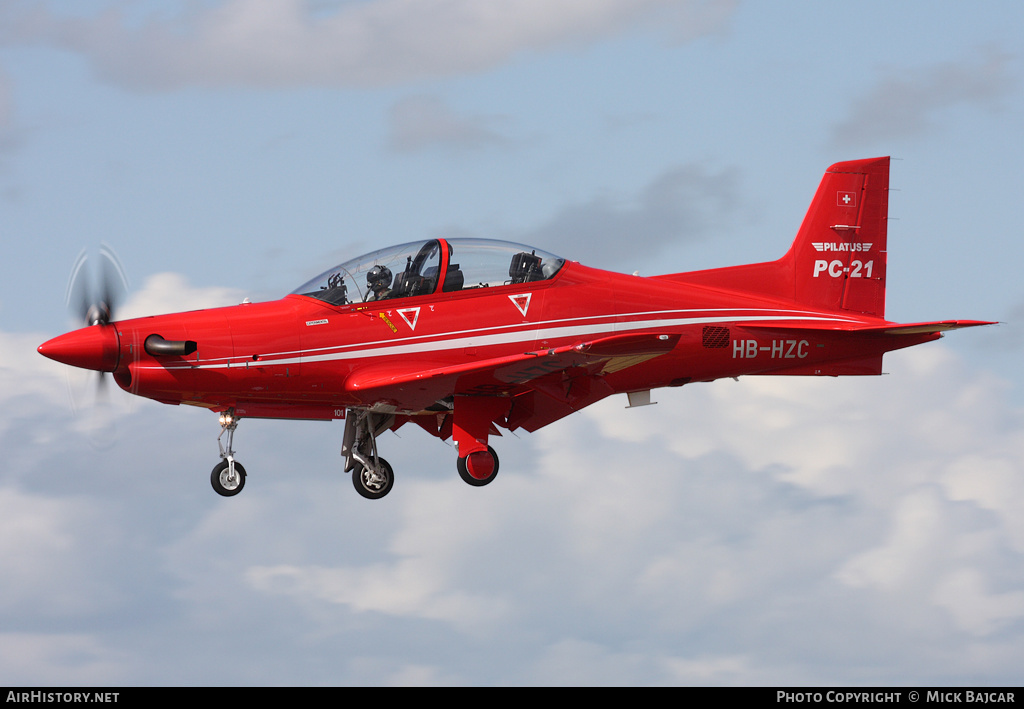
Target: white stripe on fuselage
<point>525,333</point>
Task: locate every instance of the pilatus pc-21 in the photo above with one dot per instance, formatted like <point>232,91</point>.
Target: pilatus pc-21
<point>465,337</point>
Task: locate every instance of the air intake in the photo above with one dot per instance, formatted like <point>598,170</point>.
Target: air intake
<point>715,337</point>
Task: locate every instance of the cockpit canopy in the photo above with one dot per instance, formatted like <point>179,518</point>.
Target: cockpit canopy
<point>412,269</point>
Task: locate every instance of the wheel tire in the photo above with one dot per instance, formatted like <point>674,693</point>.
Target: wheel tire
<point>471,479</point>
<point>373,486</point>
<point>218,478</point>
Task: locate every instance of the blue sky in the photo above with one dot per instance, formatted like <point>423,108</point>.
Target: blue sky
<point>756,532</point>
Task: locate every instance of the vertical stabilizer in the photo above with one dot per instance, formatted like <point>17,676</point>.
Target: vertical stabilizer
<point>839,255</point>
<point>838,259</point>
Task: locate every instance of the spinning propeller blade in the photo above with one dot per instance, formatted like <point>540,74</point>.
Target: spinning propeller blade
<point>96,286</point>
<point>94,293</point>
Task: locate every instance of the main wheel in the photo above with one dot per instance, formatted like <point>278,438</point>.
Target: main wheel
<point>480,468</point>
<point>373,484</point>
<point>220,479</point>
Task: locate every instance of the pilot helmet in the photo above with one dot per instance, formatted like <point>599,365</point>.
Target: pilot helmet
<point>378,278</point>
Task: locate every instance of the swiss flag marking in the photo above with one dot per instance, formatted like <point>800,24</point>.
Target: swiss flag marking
<point>846,199</point>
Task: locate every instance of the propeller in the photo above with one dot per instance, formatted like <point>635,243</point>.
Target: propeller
<point>96,287</point>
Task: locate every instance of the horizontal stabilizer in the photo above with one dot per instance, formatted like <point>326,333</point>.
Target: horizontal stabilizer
<point>929,327</point>
<point>885,337</point>
<point>921,328</point>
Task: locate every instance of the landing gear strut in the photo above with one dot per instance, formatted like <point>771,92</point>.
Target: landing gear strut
<point>228,476</point>
<point>372,476</point>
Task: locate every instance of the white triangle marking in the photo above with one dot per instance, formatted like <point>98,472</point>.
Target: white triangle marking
<point>521,301</point>
<point>404,312</point>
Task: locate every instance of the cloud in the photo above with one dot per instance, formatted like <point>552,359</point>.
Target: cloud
<point>41,538</point>
<point>684,203</point>
<point>906,104</point>
<point>42,658</point>
<point>26,378</point>
<point>753,525</point>
<point>771,530</point>
<point>421,122</point>
<point>293,42</point>
<point>172,293</point>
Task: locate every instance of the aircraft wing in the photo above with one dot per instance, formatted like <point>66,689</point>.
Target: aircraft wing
<point>547,371</point>
<point>521,368</point>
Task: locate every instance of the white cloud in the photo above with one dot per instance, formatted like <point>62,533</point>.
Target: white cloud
<point>731,534</point>
<point>964,594</point>
<point>710,514</point>
<point>165,293</point>
<point>56,566</point>
<point>905,104</point>
<point>28,379</point>
<point>413,587</point>
<point>287,42</point>
<point>66,659</point>
<point>992,480</point>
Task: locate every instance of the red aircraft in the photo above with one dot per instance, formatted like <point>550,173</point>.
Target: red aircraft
<point>466,336</point>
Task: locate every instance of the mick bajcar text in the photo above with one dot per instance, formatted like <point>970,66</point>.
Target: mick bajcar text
<point>966,696</point>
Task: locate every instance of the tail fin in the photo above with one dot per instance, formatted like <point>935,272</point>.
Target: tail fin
<point>839,255</point>
<point>838,259</point>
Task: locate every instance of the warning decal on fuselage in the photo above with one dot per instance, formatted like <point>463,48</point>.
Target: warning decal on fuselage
<point>521,301</point>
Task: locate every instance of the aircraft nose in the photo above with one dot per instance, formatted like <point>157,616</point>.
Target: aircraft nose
<point>94,347</point>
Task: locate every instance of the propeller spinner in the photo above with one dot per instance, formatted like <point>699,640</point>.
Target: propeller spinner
<point>93,294</point>
<point>96,285</point>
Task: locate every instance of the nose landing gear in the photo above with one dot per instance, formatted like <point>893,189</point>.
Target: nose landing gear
<point>228,476</point>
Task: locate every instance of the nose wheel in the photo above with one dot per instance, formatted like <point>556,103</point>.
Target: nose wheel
<point>228,479</point>
<point>228,476</point>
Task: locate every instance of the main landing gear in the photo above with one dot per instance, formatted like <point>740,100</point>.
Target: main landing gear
<point>228,476</point>
<point>372,476</point>
<point>479,468</point>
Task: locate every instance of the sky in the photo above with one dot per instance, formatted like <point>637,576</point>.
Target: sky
<point>765,531</point>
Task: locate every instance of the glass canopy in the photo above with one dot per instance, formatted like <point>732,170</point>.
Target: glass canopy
<point>412,269</point>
